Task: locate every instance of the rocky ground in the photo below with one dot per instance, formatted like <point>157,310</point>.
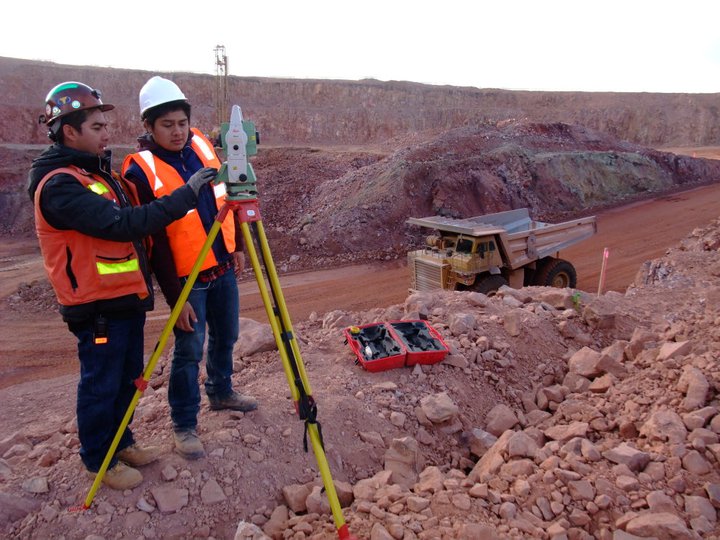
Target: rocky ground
<point>555,415</point>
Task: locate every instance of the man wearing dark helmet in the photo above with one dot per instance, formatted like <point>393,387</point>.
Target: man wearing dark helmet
<point>92,234</point>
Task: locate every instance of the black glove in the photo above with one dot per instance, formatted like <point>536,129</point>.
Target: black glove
<point>201,177</point>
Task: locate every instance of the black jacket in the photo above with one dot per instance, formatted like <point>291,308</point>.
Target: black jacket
<point>66,204</point>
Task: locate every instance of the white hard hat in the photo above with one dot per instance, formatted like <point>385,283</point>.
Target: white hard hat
<point>158,91</point>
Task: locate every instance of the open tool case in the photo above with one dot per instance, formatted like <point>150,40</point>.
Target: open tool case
<point>388,345</point>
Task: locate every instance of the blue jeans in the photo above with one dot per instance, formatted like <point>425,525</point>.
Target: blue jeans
<point>106,387</point>
<point>216,305</point>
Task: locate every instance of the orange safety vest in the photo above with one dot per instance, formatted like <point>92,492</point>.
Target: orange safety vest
<point>186,235</point>
<point>83,268</point>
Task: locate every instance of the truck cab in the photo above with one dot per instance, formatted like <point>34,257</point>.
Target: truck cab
<point>465,256</point>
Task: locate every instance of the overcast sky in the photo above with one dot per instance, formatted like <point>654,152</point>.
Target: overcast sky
<point>585,45</point>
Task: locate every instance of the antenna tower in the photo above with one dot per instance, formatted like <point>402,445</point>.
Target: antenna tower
<point>221,84</point>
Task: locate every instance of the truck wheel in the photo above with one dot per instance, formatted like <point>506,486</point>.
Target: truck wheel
<point>556,273</point>
<point>489,284</point>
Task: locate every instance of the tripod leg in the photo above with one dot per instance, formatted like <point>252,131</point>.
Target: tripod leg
<point>292,362</point>
<point>272,318</point>
<point>141,383</point>
<point>281,308</point>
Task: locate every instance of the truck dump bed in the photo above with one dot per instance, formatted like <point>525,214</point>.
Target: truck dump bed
<point>521,239</point>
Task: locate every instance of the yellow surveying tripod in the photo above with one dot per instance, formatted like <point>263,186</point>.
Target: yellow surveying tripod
<point>240,140</point>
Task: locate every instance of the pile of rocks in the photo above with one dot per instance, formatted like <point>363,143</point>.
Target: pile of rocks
<point>626,446</point>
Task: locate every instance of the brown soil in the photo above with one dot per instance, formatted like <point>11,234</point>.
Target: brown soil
<point>38,346</point>
<point>265,454</point>
<point>335,220</point>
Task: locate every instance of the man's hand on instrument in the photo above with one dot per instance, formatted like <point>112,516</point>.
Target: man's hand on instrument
<point>202,177</point>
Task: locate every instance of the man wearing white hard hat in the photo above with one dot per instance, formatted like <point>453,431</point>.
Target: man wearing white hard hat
<point>170,152</point>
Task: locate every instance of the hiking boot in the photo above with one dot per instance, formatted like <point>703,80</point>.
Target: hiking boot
<point>188,444</point>
<point>137,456</point>
<point>233,401</point>
<point>120,477</point>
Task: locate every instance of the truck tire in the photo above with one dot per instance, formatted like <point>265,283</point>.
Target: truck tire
<point>489,284</point>
<point>556,273</point>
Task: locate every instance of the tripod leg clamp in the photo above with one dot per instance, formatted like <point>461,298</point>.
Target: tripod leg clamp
<point>310,415</point>
<point>319,428</point>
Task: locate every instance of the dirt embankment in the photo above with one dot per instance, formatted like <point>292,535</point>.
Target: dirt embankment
<point>557,171</point>
<point>361,112</point>
<point>334,206</point>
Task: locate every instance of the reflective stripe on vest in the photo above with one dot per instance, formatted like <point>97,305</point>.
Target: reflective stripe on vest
<point>148,158</point>
<point>204,147</point>
<point>98,188</point>
<point>104,268</point>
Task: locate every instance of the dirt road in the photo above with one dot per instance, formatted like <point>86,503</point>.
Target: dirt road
<point>639,232</point>
<point>38,346</point>
<point>633,234</point>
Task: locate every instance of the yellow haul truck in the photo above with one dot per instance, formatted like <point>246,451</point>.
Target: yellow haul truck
<point>484,253</point>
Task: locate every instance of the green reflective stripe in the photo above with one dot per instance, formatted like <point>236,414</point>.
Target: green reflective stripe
<point>98,187</point>
<point>117,268</point>
<point>65,86</point>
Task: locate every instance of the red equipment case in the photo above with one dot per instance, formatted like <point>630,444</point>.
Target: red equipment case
<point>388,345</point>
<point>422,342</point>
<point>376,346</point>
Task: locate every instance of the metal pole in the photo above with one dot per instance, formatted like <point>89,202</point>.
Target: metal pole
<point>603,267</point>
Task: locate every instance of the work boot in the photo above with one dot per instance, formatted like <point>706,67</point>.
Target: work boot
<point>120,477</point>
<point>188,444</point>
<point>137,456</point>
<point>233,401</point>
